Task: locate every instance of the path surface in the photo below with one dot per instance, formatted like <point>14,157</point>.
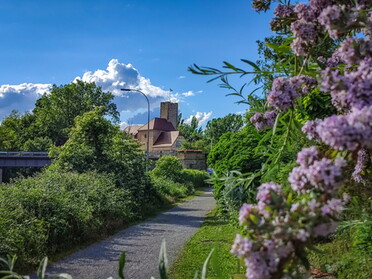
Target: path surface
<point>141,244</point>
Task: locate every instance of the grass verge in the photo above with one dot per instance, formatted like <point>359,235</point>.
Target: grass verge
<point>341,259</point>
<point>216,233</point>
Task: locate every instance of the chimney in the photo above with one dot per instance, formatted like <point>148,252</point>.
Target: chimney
<point>169,111</point>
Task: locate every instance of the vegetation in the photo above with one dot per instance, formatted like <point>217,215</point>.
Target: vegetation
<point>43,214</point>
<point>216,233</point>
<point>97,182</point>
<point>313,80</point>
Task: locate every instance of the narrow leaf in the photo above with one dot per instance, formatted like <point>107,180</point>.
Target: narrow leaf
<point>205,265</point>
<point>121,265</point>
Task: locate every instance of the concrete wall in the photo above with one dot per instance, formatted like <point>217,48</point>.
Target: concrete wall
<point>192,159</point>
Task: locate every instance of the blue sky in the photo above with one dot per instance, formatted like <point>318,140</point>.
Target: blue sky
<point>128,43</point>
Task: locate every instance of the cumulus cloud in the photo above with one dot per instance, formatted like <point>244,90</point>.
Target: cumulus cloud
<point>181,77</point>
<point>119,75</point>
<point>202,117</point>
<point>21,97</point>
<point>116,76</point>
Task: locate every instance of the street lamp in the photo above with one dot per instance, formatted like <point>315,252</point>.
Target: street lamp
<point>148,117</point>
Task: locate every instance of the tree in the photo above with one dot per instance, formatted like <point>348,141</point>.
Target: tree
<point>235,151</point>
<point>95,144</point>
<point>55,112</point>
<point>191,132</point>
<point>219,126</point>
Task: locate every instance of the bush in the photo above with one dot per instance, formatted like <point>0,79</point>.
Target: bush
<point>169,167</point>
<point>40,214</point>
<point>95,144</point>
<point>235,151</point>
<point>169,189</point>
<point>196,177</point>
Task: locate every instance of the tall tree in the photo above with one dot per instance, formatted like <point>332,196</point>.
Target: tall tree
<point>55,112</point>
<point>219,126</point>
<point>191,132</point>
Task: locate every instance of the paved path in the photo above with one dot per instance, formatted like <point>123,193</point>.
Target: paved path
<point>141,244</point>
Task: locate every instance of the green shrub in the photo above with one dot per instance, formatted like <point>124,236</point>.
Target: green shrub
<point>169,189</point>
<point>235,151</point>
<point>169,167</point>
<point>196,177</point>
<point>42,214</point>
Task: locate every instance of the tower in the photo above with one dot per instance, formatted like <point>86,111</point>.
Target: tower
<point>169,111</point>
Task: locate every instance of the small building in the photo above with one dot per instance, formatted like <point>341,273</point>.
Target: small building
<point>163,136</point>
<point>165,139</point>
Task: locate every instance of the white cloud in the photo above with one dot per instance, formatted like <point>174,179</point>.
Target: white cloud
<point>202,117</point>
<point>21,97</point>
<point>117,75</point>
<point>188,94</point>
<point>181,77</point>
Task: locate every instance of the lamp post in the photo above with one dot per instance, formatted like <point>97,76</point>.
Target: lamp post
<point>148,117</point>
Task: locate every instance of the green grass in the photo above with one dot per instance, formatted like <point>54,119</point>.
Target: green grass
<point>216,234</point>
<point>340,258</point>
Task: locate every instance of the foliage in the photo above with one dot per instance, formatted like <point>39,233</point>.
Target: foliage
<point>219,126</point>
<point>169,189</point>
<point>53,116</point>
<point>55,112</point>
<point>348,254</point>
<point>191,132</point>
<point>317,70</point>
<point>196,177</point>
<point>37,144</point>
<point>40,215</point>
<point>201,144</point>
<point>215,233</point>
<point>235,151</point>
<point>95,144</point>
<point>169,167</point>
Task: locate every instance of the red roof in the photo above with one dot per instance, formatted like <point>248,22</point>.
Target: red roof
<point>158,124</point>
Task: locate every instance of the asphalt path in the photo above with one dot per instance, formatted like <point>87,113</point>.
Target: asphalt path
<point>141,244</point>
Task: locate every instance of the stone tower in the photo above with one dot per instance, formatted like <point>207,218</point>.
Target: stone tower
<point>169,111</point>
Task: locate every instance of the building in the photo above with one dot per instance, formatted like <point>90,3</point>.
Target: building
<point>163,136</point>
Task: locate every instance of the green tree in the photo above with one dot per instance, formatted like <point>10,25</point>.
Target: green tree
<point>235,151</point>
<point>219,126</point>
<point>55,112</point>
<point>191,132</point>
<point>95,144</point>
<point>169,167</point>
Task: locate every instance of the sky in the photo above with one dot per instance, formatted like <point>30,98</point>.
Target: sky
<point>146,45</point>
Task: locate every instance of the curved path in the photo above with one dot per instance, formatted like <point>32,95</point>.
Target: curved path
<point>141,244</point>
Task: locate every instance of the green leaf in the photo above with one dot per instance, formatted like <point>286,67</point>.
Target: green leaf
<point>205,265</point>
<point>121,265</point>
<point>228,65</point>
<point>42,267</point>
<point>254,65</point>
<point>163,261</point>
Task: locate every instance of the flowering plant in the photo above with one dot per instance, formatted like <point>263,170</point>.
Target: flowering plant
<point>326,52</point>
<point>277,230</point>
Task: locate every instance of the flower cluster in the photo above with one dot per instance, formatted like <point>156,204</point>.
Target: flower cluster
<point>278,232</point>
<point>316,174</point>
<point>352,89</point>
<point>309,23</point>
<point>343,132</point>
<point>260,121</point>
<point>362,160</point>
<point>285,92</point>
